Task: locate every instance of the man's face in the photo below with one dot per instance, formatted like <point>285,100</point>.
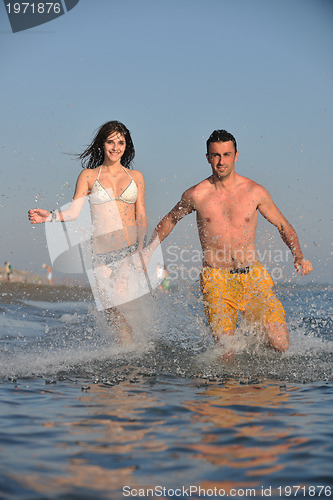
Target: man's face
<point>222,158</point>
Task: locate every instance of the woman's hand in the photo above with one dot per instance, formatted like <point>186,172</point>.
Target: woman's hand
<point>39,215</point>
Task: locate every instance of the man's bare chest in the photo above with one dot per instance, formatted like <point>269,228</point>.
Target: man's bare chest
<point>234,209</point>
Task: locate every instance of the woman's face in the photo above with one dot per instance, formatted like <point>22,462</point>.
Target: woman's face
<point>114,147</point>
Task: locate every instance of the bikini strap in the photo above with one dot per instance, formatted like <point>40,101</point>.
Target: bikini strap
<point>99,172</point>
<point>127,172</point>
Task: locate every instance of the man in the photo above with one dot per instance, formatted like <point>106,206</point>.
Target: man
<point>232,279</point>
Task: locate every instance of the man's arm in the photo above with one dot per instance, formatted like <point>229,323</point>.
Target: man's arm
<point>270,211</point>
<point>164,228</point>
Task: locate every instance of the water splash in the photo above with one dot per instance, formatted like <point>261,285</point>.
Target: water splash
<point>169,336</point>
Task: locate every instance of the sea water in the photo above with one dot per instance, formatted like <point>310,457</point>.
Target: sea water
<point>86,415</point>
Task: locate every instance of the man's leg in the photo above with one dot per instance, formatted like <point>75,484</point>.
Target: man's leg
<point>219,302</point>
<point>277,335</point>
<point>218,332</point>
<point>263,307</point>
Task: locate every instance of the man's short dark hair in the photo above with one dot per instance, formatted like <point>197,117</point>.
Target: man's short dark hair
<point>220,136</point>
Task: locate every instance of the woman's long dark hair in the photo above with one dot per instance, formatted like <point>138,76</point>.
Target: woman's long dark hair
<point>93,156</point>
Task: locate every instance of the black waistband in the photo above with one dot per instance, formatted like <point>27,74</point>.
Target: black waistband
<point>240,270</point>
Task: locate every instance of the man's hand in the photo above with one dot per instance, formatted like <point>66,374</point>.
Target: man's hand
<point>303,266</point>
<point>143,258</point>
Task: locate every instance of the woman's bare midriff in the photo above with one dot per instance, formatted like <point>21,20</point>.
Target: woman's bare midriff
<point>114,226</point>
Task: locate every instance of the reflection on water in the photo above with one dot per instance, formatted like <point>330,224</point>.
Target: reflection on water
<point>148,432</point>
<point>243,412</point>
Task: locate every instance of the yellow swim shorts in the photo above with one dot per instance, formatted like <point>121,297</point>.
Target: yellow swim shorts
<point>225,294</point>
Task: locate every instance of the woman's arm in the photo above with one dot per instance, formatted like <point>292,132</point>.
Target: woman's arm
<point>39,215</point>
<point>140,211</point>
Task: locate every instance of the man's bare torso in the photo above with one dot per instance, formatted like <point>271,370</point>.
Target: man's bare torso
<point>227,221</point>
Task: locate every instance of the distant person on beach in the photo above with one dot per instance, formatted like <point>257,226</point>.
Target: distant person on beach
<point>49,273</point>
<point>163,277</point>
<point>9,271</point>
<point>117,203</point>
<point>165,285</point>
<point>232,279</point>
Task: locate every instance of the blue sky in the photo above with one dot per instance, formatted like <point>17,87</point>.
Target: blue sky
<point>172,71</point>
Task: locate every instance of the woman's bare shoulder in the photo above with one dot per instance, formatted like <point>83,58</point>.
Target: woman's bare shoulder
<point>89,172</point>
<point>87,178</point>
<point>136,175</point>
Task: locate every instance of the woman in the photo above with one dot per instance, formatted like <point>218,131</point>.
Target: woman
<point>117,203</point>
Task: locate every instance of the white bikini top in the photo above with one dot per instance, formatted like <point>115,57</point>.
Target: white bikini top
<point>99,194</point>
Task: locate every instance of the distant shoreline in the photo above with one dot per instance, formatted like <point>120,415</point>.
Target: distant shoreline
<point>21,276</point>
<point>13,292</point>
